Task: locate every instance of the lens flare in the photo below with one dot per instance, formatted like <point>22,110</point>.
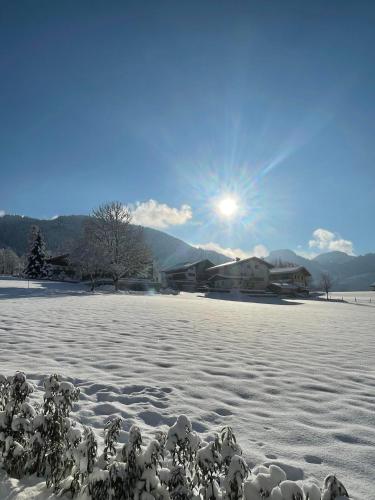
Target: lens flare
<point>227,207</point>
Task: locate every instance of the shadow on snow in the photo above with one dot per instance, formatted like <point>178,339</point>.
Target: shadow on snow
<point>253,299</point>
<point>40,288</point>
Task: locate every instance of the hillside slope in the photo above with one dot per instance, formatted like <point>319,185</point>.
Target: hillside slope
<point>61,233</point>
<point>290,257</point>
<point>348,272</point>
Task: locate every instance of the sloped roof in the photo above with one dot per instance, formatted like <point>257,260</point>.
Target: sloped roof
<point>59,260</point>
<point>289,270</point>
<point>241,261</point>
<point>185,266</point>
<point>286,286</point>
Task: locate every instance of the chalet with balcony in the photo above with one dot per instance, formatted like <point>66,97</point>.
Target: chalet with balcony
<point>294,279</point>
<point>250,274</point>
<point>187,277</point>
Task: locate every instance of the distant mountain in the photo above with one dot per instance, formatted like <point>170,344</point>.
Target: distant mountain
<point>356,274</point>
<point>290,257</point>
<point>332,258</point>
<point>287,256</point>
<point>169,251</point>
<point>61,233</point>
<point>348,272</point>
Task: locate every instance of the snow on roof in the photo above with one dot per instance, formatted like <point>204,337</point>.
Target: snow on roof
<point>240,261</point>
<point>184,266</point>
<point>287,270</point>
<point>290,286</point>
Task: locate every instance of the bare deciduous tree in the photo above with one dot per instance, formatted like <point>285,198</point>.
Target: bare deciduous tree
<point>10,263</point>
<point>88,257</point>
<point>119,244</point>
<point>326,283</point>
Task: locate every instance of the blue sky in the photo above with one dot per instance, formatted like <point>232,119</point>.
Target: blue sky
<point>186,103</point>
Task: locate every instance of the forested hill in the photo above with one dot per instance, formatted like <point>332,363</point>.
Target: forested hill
<point>349,272</point>
<point>58,233</point>
<point>61,233</point>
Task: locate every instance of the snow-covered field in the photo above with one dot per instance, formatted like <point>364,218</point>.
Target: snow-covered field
<point>295,379</point>
<point>367,297</point>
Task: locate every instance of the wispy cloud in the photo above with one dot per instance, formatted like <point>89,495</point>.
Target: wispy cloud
<point>2,213</point>
<point>256,251</point>
<point>160,215</point>
<point>329,241</point>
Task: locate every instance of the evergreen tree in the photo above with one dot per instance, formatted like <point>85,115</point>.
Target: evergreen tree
<point>36,260</point>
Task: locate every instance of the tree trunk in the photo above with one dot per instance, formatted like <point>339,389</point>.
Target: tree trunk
<point>115,282</point>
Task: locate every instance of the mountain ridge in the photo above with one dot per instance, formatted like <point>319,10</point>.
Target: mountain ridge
<point>349,272</point>
<point>61,232</point>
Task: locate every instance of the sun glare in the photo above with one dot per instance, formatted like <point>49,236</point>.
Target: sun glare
<point>227,207</point>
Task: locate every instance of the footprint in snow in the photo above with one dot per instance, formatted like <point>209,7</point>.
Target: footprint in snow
<point>312,459</point>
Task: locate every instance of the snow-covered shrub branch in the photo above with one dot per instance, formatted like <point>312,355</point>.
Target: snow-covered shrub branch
<point>177,465</point>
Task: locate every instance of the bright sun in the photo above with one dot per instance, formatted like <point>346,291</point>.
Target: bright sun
<point>227,207</point>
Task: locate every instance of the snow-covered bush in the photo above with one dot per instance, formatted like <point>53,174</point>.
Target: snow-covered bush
<point>180,488</point>
<point>333,489</point>
<point>84,456</point>
<point>229,446</point>
<point>264,482</point>
<point>44,440</point>
<point>237,473</point>
<point>152,461</point>
<point>183,443</point>
<point>98,484</point>
<point>208,464</point>
<point>117,479</point>
<point>54,437</point>
<point>112,432</point>
<point>15,422</point>
<point>4,391</point>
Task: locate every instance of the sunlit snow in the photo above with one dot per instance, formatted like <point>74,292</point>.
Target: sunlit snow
<point>295,379</point>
